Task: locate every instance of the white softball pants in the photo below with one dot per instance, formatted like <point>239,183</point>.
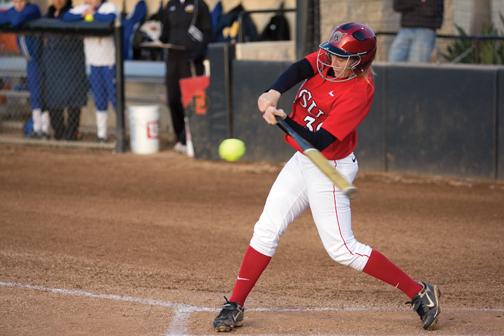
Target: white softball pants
<point>301,184</point>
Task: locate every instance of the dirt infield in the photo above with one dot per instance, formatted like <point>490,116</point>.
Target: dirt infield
<point>94,243</point>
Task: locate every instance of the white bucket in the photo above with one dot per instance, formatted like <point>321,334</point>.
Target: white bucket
<point>144,129</point>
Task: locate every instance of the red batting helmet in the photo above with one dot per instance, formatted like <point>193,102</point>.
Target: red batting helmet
<point>354,41</point>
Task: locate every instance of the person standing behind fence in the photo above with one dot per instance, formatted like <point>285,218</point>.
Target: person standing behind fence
<point>66,82</point>
<point>100,55</point>
<point>21,12</point>
<point>130,25</point>
<point>187,24</point>
<point>417,37</point>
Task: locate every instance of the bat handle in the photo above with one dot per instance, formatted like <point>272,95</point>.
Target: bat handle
<point>281,124</point>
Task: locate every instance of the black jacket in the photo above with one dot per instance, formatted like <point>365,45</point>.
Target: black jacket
<point>66,82</point>
<point>177,17</point>
<point>420,13</point>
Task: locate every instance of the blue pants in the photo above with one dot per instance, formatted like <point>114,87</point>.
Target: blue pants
<point>413,45</point>
<point>102,80</point>
<point>34,78</point>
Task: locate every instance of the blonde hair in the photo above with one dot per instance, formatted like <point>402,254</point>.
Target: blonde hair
<point>367,74</point>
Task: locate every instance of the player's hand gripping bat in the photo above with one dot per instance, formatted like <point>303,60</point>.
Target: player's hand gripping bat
<point>318,159</point>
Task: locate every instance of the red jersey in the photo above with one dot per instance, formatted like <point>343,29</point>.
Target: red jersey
<point>337,107</point>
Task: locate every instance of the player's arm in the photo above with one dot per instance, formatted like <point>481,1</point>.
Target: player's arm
<point>319,139</point>
<point>296,73</point>
<point>5,17</point>
<point>75,14</point>
<point>108,17</point>
<point>30,12</point>
<point>107,13</point>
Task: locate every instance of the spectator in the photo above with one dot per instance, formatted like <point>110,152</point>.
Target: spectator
<point>417,37</point>
<point>100,55</point>
<point>130,25</point>
<point>66,82</point>
<point>21,12</point>
<point>186,24</point>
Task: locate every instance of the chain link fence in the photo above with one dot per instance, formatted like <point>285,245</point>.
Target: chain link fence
<point>60,82</point>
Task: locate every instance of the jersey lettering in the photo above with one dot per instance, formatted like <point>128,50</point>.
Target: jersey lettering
<point>312,105</point>
<point>305,96</point>
<point>308,102</point>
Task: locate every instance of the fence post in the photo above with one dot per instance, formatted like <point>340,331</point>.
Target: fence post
<point>120,122</point>
<point>307,27</point>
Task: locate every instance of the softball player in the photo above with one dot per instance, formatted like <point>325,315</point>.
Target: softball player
<point>100,55</point>
<point>334,98</point>
<point>30,46</point>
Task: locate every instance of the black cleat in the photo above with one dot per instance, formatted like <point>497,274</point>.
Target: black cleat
<point>426,304</point>
<point>230,317</point>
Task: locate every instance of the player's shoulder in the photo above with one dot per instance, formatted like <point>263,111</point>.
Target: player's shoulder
<point>360,87</point>
<point>312,59</point>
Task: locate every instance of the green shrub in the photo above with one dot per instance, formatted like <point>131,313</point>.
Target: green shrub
<point>489,51</point>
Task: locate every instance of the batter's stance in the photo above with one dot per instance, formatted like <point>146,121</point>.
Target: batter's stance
<point>332,101</point>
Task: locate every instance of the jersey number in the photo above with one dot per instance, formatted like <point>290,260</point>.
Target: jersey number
<point>309,123</point>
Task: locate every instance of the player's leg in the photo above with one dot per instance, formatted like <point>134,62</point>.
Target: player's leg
<point>332,214</point>
<point>33,80</point>
<point>286,200</point>
<point>110,74</point>
<point>98,87</point>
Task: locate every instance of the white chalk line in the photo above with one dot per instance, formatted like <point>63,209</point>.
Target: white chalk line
<point>183,311</point>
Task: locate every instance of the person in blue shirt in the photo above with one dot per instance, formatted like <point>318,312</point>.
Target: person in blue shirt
<point>21,12</point>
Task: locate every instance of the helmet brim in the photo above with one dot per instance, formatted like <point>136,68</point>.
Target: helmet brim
<point>330,48</point>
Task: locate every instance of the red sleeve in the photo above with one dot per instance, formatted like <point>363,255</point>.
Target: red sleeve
<point>312,59</point>
<point>350,110</point>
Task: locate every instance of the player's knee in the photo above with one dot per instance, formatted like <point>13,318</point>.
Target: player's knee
<point>264,244</point>
<point>352,254</point>
<point>266,236</point>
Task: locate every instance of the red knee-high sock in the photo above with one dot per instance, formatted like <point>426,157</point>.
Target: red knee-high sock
<point>381,268</point>
<point>253,264</point>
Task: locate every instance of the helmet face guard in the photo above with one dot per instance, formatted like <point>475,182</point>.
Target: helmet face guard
<point>351,41</point>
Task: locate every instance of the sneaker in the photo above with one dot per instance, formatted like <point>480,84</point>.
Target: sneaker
<point>231,316</point>
<point>426,304</point>
<point>101,140</point>
<point>180,148</point>
<point>44,136</point>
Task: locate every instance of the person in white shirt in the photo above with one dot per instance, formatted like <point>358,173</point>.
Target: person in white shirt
<point>100,56</point>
